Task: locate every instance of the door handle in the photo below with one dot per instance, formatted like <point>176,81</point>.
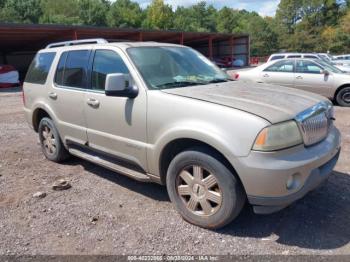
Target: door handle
<point>299,77</point>
<point>266,75</point>
<point>53,95</point>
<point>93,102</point>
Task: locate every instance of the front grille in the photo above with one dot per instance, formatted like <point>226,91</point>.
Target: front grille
<point>315,123</point>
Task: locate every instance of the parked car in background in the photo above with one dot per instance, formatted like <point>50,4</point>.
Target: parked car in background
<point>9,76</point>
<point>342,57</point>
<point>325,56</point>
<point>165,113</point>
<point>279,56</point>
<point>320,56</point>
<point>308,74</point>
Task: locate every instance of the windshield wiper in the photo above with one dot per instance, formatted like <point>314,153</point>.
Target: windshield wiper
<point>179,84</point>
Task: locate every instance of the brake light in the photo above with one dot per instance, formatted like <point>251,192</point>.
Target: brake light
<point>236,76</point>
<point>23,96</point>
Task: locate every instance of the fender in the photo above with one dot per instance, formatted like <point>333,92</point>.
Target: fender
<point>202,132</point>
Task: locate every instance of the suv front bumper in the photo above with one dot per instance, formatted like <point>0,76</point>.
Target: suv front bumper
<point>274,180</point>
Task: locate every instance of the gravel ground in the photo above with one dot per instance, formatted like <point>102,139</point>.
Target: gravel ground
<point>107,213</point>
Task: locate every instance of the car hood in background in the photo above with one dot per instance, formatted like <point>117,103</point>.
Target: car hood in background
<point>273,103</point>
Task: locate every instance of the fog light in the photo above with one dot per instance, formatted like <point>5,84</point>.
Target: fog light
<point>293,181</point>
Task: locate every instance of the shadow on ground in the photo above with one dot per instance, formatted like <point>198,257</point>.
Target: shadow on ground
<point>321,220</point>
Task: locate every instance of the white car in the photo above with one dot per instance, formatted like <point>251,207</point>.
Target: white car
<point>307,74</point>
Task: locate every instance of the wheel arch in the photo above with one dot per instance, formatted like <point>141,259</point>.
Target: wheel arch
<point>338,90</point>
<point>38,114</point>
<point>178,145</point>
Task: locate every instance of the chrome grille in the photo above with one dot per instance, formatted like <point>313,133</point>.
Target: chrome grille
<point>315,123</point>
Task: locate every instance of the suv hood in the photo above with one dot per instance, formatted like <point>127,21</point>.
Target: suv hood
<point>273,103</point>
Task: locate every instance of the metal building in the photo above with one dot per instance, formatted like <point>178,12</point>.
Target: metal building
<point>19,42</point>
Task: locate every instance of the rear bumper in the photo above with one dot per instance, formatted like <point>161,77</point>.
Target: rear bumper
<point>274,180</point>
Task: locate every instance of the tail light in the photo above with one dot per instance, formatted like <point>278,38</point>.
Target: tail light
<point>23,96</point>
<point>234,75</point>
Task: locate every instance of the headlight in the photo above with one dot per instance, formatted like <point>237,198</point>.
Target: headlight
<point>278,136</point>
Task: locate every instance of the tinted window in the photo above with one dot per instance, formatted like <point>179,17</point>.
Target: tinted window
<point>71,70</point>
<point>308,67</point>
<point>310,56</point>
<point>276,57</point>
<point>106,62</point>
<point>39,68</point>
<point>294,56</point>
<point>281,66</point>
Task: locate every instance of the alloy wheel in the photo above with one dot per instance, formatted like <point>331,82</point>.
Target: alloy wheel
<point>199,190</point>
<point>49,140</point>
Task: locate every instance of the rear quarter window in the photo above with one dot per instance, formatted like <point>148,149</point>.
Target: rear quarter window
<point>39,68</point>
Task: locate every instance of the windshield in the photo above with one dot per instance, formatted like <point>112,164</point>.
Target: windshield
<point>170,67</point>
<point>329,67</point>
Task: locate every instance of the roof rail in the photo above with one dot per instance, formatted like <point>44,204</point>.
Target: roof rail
<point>78,42</point>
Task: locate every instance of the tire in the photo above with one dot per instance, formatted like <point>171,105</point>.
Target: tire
<point>343,97</point>
<point>225,197</point>
<point>51,143</point>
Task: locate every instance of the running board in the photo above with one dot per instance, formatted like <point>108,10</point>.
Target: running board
<point>112,166</point>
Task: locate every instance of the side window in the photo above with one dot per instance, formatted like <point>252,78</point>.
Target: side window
<point>294,56</point>
<point>276,57</point>
<point>281,66</point>
<point>39,68</point>
<point>71,69</point>
<point>310,56</point>
<point>106,62</point>
<point>308,67</point>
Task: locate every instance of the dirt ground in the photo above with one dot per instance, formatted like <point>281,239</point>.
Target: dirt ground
<point>107,213</point>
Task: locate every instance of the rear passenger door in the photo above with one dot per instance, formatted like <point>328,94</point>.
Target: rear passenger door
<point>67,95</point>
<point>279,73</point>
<point>116,125</point>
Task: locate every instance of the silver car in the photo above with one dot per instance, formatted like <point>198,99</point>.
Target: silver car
<point>164,113</point>
<point>306,74</point>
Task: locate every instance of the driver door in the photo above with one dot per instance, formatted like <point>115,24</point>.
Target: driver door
<point>115,125</point>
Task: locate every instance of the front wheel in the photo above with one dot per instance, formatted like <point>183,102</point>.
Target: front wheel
<point>343,97</point>
<point>203,189</point>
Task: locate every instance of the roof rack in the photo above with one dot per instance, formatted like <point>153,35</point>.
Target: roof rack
<point>78,42</point>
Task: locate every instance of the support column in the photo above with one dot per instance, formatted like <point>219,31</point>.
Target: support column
<point>182,39</point>
<point>75,35</point>
<point>4,58</point>
<point>231,47</point>
<point>210,47</point>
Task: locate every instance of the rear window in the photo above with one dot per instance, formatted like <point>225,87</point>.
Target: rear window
<point>39,68</point>
<point>72,69</point>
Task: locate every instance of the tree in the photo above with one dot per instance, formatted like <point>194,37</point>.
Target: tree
<point>93,12</point>
<point>159,15</point>
<point>60,12</point>
<point>227,20</point>
<point>20,11</point>
<point>125,13</point>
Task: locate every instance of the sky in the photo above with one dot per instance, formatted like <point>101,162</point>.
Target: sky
<point>263,7</point>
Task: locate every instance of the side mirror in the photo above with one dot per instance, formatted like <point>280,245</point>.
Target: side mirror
<point>119,85</point>
<point>325,72</point>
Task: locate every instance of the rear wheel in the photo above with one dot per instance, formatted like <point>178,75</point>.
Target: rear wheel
<point>343,96</point>
<point>203,189</point>
<point>50,141</point>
